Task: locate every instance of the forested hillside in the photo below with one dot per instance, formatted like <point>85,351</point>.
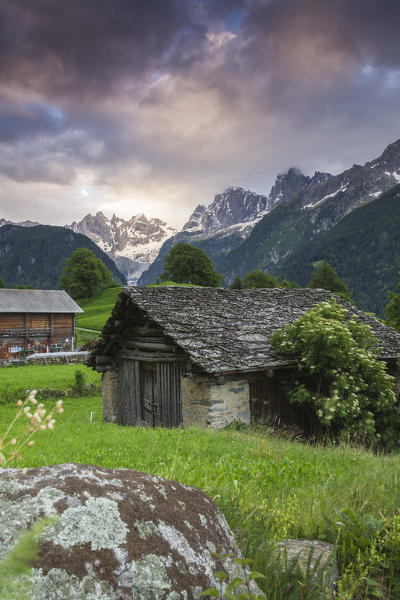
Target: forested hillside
<point>37,255</point>
<point>364,248</point>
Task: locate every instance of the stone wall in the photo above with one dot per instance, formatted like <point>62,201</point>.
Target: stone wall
<point>55,358</point>
<point>110,396</point>
<point>211,402</point>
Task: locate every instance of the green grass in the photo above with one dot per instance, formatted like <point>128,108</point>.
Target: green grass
<point>14,381</point>
<point>83,337</point>
<point>97,309</point>
<point>268,487</point>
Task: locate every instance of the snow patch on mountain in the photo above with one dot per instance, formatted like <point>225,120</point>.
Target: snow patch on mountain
<point>343,188</point>
<point>133,244</point>
<point>20,223</point>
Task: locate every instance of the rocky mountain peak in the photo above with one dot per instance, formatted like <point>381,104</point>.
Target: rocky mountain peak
<point>289,183</point>
<point>133,244</point>
<point>234,206</point>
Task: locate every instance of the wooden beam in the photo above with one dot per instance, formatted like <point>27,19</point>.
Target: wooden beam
<point>152,356</point>
<point>103,360</point>
<point>155,347</point>
<point>146,331</point>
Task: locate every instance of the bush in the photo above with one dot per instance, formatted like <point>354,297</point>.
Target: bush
<point>80,387</point>
<point>340,377</point>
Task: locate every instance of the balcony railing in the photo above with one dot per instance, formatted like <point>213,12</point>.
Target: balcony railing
<point>23,332</point>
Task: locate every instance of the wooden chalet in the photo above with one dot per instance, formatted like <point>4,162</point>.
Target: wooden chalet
<point>180,355</point>
<point>35,321</point>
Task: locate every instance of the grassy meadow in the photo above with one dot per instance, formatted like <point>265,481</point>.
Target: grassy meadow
<point>14,381</point>
<point>268,488</point>
<point>97,309</point>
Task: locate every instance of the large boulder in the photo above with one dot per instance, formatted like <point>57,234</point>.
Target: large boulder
<point>120,534</point>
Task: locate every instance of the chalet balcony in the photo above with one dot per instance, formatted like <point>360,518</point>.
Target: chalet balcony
<point>23,332</point>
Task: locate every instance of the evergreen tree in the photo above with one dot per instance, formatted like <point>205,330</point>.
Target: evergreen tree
<point>392,309</point>
<point>325,277</point>
<point>289,285</point>
<point>85,275</point>
<point>187,264</point>
<point>2,283</point>
<point>259,279</point>
<point>236,284</point>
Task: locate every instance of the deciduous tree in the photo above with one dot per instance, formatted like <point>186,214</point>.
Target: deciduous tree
<point>85,275</point>
<point>187,264</point>
<point>259,279</point>
<point>340,379</point>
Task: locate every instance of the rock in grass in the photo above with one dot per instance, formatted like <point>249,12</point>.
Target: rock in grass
<point>316,560</point>
<point>119,534</point>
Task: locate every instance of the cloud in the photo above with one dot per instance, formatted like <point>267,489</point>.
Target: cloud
<point>163,104</point>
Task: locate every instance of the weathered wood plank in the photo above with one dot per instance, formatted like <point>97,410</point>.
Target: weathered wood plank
<point>139,415</point>
<point>155,347</point>
<point>152,356</point>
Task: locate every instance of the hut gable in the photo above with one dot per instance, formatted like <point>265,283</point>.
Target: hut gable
<point>223,330</point>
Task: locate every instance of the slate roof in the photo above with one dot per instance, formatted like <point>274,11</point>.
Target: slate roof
<point>37,301</point>
<point>225,330</point>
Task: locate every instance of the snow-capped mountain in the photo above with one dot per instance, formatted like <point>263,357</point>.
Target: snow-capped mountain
<point>225,223</point>
<point>311,213</point>
<point>354,187</point>
<point>21,223</point>
<point>232,207</point>
<point>132,244</point>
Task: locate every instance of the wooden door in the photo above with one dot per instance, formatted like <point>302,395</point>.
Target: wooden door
<point>149,394</point>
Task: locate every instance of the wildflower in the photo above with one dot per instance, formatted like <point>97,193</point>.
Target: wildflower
<point>19,403</point>
<point>13,442</point>
<point>51,424</point>
<point>30,443</point>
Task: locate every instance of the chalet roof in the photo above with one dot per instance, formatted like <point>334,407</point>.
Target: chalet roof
<point>228,330</point>
<point>37,301</point>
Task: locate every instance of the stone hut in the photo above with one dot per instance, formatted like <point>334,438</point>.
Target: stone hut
<point>181,355</point>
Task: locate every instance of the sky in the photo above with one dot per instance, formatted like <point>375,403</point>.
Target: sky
<point>155,106</point>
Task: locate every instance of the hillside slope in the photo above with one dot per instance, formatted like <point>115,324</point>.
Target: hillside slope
<point>364,248</point>
<point>37,255</point>
<point>311,213</point>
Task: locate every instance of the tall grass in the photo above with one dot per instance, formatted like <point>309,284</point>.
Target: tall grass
<point>267,487</point>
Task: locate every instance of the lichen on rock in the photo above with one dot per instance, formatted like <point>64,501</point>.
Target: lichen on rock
<point>119,534</point>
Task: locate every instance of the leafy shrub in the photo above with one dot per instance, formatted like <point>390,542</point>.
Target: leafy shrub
<point>341,380</point>
<point>80,387</point>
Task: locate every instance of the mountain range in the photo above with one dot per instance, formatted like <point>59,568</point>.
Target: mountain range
<point>311,213</point>
<point>133,244</point>
<point>229,220</point>
<point>302,220</point>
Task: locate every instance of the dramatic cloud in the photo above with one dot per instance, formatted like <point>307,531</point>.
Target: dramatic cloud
<point>132,106</point>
